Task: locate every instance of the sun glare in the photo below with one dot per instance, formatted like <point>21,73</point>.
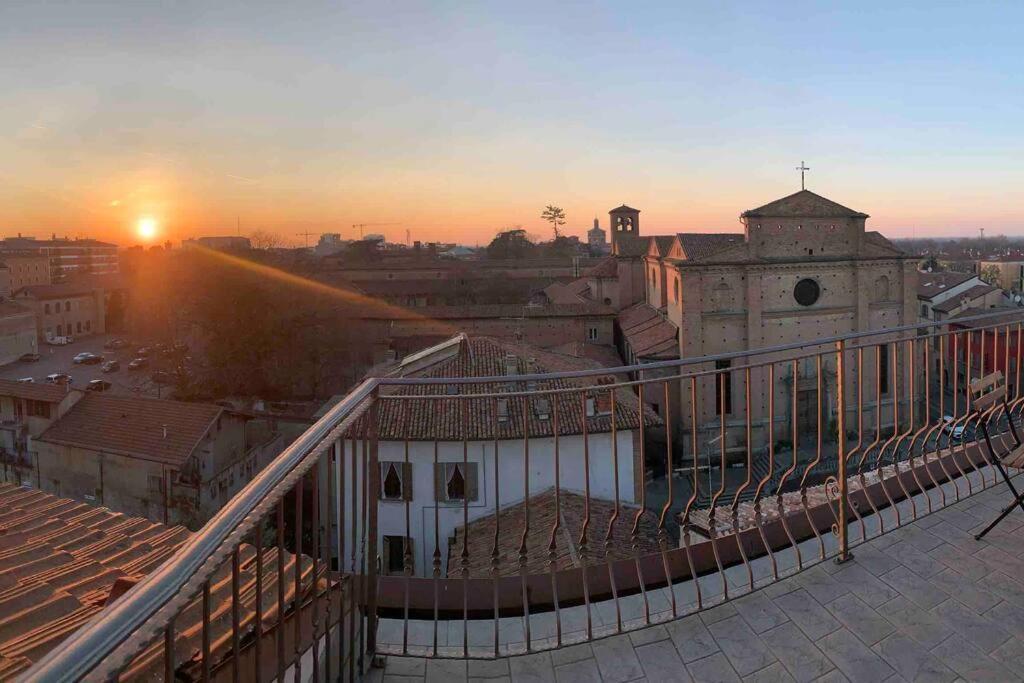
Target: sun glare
<point>146,228</point>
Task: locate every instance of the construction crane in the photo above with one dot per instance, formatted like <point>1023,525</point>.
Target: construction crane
<point>367,225</point>
<point>307,235</point>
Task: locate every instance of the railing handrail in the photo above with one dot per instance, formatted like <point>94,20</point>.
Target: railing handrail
<point>692,360</point>
<point>77,656</point>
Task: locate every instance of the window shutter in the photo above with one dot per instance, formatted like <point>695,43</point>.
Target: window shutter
<point>407,481</point>
<point>471,482</point>
<point>439,482</point>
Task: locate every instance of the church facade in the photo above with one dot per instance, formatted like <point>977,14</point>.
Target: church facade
<point>803,269</point>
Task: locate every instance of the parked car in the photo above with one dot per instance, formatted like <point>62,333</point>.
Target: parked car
<point>115,344</point>
<point>98,385</point>
<point>137,363</point>
<point>59,378</point>
<point>87,358</point>
<point>956,433</point>
<point>30,358</point>
<point>58,341</point>
<point>27,380</point>
<point>111,366</point>
<point>143,351</point>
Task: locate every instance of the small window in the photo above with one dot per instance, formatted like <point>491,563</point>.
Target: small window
<point>592,333</point>
<point>78,328</point>
<point>67,306</point>
<point>395,550</point>
<point>156,484</point>
<point>723,387</point>
<point>46,309</point>
<point>60,330</point>
<point>88,325</point>
<point>542,408</point>
<point>396,481</point>
<point>502,410</point>
<point>456,482</point>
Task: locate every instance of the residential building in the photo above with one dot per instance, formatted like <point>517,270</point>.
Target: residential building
<point>17,331</point>
<point>27,409</point>
<point>22,271</point>
<point>1006,272</point>
<point>66,257</point>
<point>942,295</point>
<point>65,308</point>
<point>169,460</point>
<point>447,473</point>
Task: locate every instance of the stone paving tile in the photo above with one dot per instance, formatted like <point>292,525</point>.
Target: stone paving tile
<point>833,676</point>
<point>445,670</point>
<point>821,585</point>
<point>813,619</point>
<point>1011,655</point>
<point>914,588</point>
<point>1009,617</point>
<point>650,634</point>
<point>961,562</point>
<point>572,653</point>
<point>661,662</point>
<point>921,539</point>
<point>773,673</point>
<point>716,614</point>
<point>917,561</point>
<point>713,669</point>
<point>970,662</point>
<point>584,671</point>
<point>1004,586</point>
<point>874,561</point>
<point>535,668</point>
<point>617,660</point>
<point>759,612</point>
<point>488,668</point>
<point>966,591</point>
<point>911,660</point>
<point>746,652</point>
<point>691,638</point>
<point>865,585</point>
<point>925,627</point>
<point>864,622</point>
<point>853,657</point>
<point>802,659</point>
<point>986,634</point>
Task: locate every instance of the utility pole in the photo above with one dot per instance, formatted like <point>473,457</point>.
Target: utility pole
<point>307,235</point>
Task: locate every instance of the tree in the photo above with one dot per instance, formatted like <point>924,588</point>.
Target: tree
<point>511,244</point>
<point>261,239</point>
<point>556,216</point>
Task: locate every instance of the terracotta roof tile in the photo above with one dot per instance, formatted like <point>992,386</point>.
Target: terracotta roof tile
<point>701,245</point>
<point>609,267</point>
<point>41,391</point>
<point>648,333</point>
<point>930,284</point>
<point>135,426</point>
<point>975,292</point>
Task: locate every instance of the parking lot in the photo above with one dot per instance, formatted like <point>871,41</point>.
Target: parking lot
<point>54,359</point>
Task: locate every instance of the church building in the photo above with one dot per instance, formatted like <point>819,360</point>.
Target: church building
<point>804,268</point>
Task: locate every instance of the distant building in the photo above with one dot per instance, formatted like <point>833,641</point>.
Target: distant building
<point>65,308</point>
<point>22,271</point>
<point>26,411</point>
<point>66,257</point>
<point>943,295</point>
<point>17,331</point>
<point>597,239</point>
<point>1005,272</point>
<point>169,460</point>
<point>219,243</point>
<point>330,243</point>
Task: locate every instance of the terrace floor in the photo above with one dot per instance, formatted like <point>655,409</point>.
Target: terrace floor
<point>921,602</point>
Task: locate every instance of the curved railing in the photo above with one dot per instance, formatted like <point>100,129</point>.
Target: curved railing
<point>646,477</point>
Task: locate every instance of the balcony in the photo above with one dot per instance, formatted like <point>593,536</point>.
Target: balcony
<point>467,513</point>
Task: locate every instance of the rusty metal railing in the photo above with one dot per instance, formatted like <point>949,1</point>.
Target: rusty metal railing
<point>479,516</point>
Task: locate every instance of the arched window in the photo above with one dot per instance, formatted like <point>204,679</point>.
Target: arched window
<point>675,290</point>
<point>722,296</point>
<point>392,482</point>
<point>882,289</point>
<point>456,486</point>
<point>60,330</point>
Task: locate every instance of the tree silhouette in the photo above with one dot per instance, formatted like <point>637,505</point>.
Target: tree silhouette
<point>556,216</point>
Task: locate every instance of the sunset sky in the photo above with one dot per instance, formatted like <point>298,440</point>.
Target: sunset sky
<point>454,120</point>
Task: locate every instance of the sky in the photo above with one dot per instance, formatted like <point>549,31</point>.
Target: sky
<point>455,120</point>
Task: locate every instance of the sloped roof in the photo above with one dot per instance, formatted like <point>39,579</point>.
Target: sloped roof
<point>476,311</point>
<point>572,293</point>
<point>57,291</point>
<point>975,292</point>
<point>649,334</point>
<point>608,267</point>
<point>570,512</point>
<point>930,284</point>
<point>628,245</point>
<point>624,208</point>
<point>135,426</point>
<point>700,245</point>
<point>662,243</point>
<point>999,315</point>
<point>63,561</point>
<point>33,391</point>
<point>801,204</point>
<point>10,309</point>
<point>475,419</point>
<point>877,239</point>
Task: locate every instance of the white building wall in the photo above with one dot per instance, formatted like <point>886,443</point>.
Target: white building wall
<point>509,472</point>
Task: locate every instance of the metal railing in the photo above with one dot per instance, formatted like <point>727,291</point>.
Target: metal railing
<point>479,516</point>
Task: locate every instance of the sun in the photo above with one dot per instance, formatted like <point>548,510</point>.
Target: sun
<point>146,228</point>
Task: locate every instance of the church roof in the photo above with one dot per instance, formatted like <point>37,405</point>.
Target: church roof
<point>700,245</point>
<point>663,243</point>
<point>609,267</point>
<point>624,208</point>
<point>626,245</point>
<point>801,204</point>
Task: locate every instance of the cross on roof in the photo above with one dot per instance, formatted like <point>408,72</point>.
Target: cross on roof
<point>802,168</point>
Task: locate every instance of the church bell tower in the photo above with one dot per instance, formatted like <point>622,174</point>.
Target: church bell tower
<point>624,225</point>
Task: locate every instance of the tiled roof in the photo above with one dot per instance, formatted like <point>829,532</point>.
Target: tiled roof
<point>803,203</point>
<point>1012,314</point>
<point>9,309</point>
<point>975,292</point>
<point>572,293</point>
<point>472,311</point>
<point>701,245</point>
<point>62,561</point>
<point>570,514</point>
<point>624,208</point>
<point>663,243</point>
<point>930,284</point>
<point>56,291</point>
<point>475,419</point>
<point>609,267</point>
<point>627,245</point>
<point>648,333</point>
<point>41,391</point>
<point>135,426</point>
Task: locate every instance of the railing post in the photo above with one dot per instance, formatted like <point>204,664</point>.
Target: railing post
<point>372,494</point>
<point>844,503</point>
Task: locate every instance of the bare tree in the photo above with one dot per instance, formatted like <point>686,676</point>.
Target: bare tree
<point>261,239</point>
<point>556,216</point>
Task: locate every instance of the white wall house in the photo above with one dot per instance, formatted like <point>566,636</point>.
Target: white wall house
<point>437,481</point>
